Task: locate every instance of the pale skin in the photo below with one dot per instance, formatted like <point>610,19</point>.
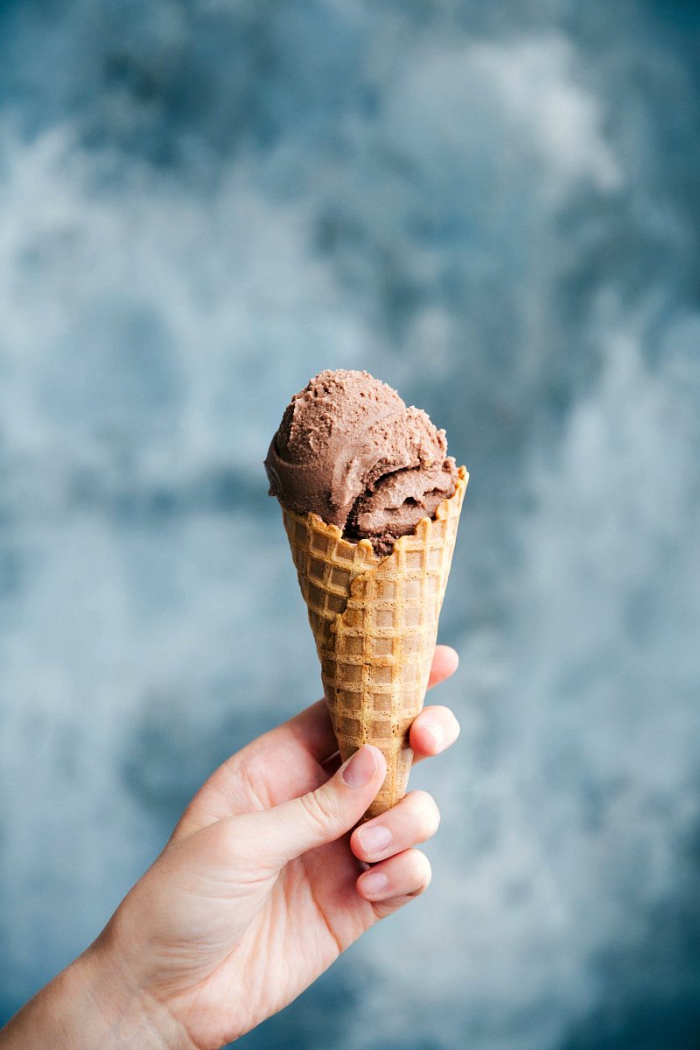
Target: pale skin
<point>260,888</point>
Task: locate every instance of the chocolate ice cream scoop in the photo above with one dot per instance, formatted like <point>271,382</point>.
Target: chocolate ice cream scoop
<point>349,450</point>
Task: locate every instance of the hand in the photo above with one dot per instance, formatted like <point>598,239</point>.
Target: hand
<point>260,887</point>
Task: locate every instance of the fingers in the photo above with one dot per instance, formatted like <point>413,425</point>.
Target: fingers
<point>294,751</point>
<point>394,882</point>
<point>434,730</point>
<point>445,663</point>
<point>312,731</point>
<point>415,819</point>
<point>312,728</point>
<point>292,828</point>
<point>399,873</point>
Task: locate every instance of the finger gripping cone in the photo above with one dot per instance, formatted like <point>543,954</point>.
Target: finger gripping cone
<point>375,624</point>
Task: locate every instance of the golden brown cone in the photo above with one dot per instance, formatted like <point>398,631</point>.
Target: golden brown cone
<point>375,623</point>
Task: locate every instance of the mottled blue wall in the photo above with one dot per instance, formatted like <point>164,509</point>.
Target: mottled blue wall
<point>493,207</point>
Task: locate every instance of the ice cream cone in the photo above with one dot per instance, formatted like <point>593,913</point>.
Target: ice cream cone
<point>375,624</point>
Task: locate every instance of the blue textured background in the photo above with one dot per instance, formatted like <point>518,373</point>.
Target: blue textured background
<point>493,207</point>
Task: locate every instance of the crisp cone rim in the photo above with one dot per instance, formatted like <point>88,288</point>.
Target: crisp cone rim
<point>370,559</point>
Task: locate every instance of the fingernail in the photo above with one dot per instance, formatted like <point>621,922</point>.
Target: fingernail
<point>375,838</point>
<point>435,730</point>
<point>360,768</point>
<point>374,884</point>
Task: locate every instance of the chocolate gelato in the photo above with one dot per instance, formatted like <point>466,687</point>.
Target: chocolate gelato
<point>349,450</point>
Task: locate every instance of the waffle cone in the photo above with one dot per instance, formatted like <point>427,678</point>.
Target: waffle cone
<point>375,624</point>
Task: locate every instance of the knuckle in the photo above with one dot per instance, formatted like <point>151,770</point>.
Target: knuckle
<point>422,874</point>
<point>426,814</point>
<point>320,809</point>
<point>228,842</point>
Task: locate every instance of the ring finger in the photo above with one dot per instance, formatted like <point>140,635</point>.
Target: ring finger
<point>412,820</point>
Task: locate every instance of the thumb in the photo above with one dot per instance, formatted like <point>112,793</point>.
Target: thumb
<point>290,829</point>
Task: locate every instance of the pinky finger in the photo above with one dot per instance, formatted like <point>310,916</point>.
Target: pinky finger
<point>395,881</point>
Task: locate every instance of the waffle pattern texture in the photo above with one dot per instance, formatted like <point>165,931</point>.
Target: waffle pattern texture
<point>375,622</point>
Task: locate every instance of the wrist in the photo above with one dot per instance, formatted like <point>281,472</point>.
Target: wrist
<point>125,1014</point>
<point>90,1004</point>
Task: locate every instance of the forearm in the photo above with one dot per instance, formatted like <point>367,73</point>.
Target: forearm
<point>87,1006</point>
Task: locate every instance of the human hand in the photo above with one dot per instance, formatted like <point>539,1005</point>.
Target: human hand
<point>260,887</point>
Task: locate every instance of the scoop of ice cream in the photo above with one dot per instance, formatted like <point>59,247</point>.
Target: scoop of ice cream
<point>350,450</point>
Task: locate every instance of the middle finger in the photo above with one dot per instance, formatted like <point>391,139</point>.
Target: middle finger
<point>433,731</point>
<point>412,820</point>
